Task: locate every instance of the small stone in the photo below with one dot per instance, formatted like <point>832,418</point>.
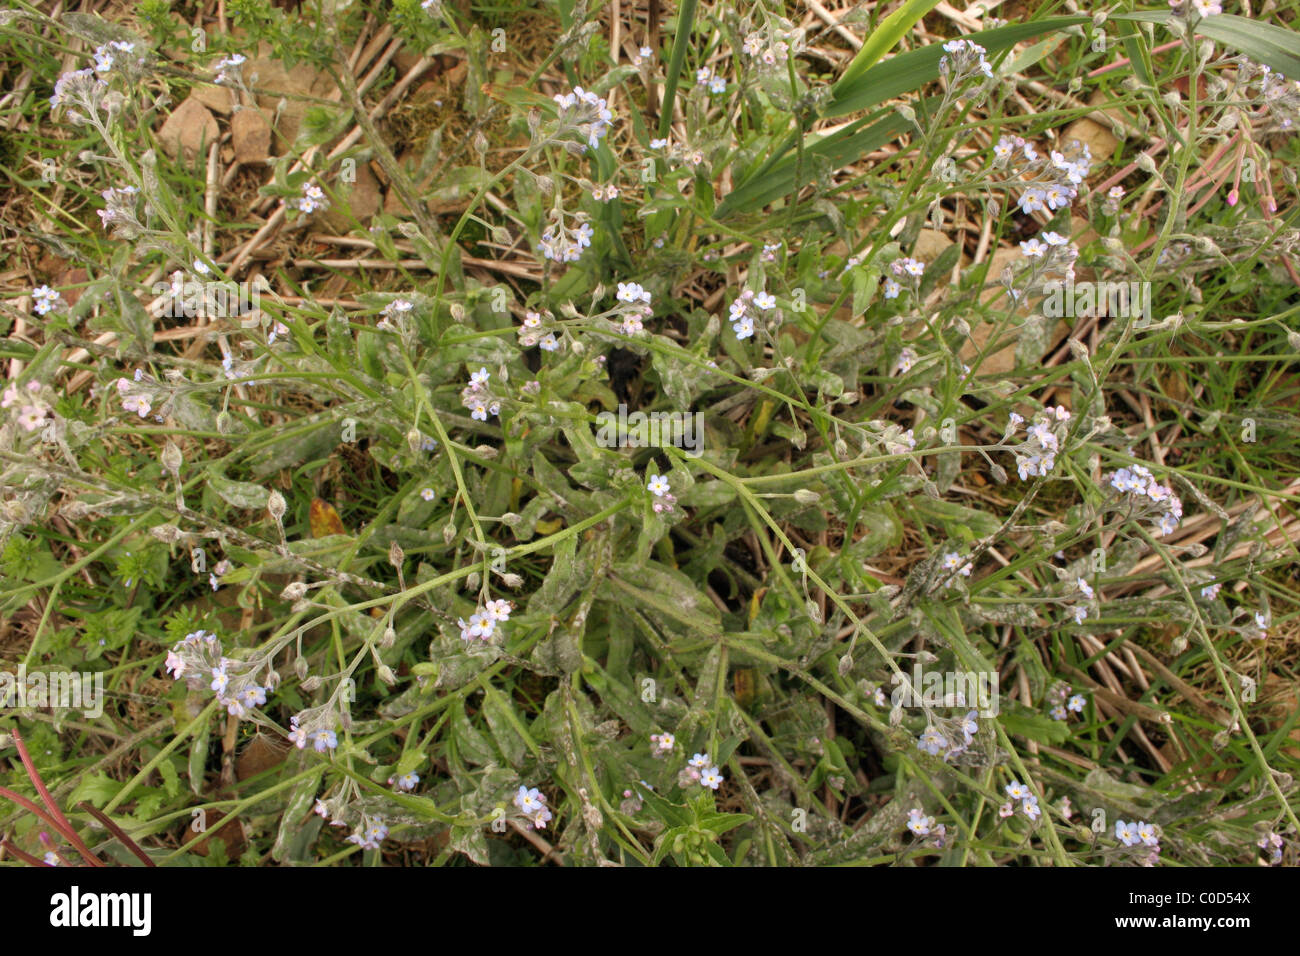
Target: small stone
<point>188,130</point>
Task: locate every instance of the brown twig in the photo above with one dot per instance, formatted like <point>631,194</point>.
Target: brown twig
<point>62,824</point>
<point>117,831</point>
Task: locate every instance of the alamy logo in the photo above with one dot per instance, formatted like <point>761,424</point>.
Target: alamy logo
<point>947,689</point>
<point>75,909</point>
<point>217,300</point>
<point>73,690</point>
<point>1081,299</point>
<point>684,430</point>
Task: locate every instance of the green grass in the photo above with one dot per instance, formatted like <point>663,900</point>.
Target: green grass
<point>853,443</point>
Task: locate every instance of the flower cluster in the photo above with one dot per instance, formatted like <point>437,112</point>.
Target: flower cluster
<point>771,49</point>
<point>898,440</point>
<point>953,563</point>
<point>1080,611</point>
<point>700,769</point>
<point>1201,8</point>
<point>198,658</point>
<point>139,401</point>
<point>941,736</point>
<point>395,316</point>
<point>1271,843</point>
<point>227,68</point>
<point>32,414</point>
<point>635,306</point>
<point>219,570</point>
<point>532,804</point>
<point>1149,495</point>
<point>117,55</point>
<point>1017,791</point>
<point>45,300</point>
<point>477,397</point>
<point>312,199</point>
<point>584,111</point>
<point>315,727</point>
<point>1046,184</point>
<point>906,359</point>
<point>1037,454</point>
<point>369,833</point>
<point>907,269</point>
<point>663,744</point>
<point>1279,96</point>
<point>535,331</point>
<point>483,622</point>
<point>118,215</point>
<point>746,309</point>
<point>705,76</point>
<point>1140,833</point>
<point>1061,702</point>
<point>79,88</point>
<point>664,500</point>
<point>963,59</point>
<point>680,153</point>
<point>918,822</point>
<point>922,826</point>
<point>565,244</point>
<point>407,781</point>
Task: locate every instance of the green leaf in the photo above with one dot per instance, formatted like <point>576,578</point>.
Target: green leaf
<point>885,37</point>
<point>1266,43</point>
<point>97,789</point>
<point>707,494</point>
<point>497,712</point>
<point>292,839</point>
<point>720,823</point>
<point>240,494</point>
<point>681,41</point>
<point>1037,727</point>
<point>855,92</point>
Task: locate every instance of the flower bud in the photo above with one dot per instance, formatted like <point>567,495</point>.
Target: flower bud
<point>386,675</point>
<point>171,457</point>
<point>388,639</point>
<point>806,497</point>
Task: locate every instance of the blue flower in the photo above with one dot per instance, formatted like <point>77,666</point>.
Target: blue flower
<point>931,741</point>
